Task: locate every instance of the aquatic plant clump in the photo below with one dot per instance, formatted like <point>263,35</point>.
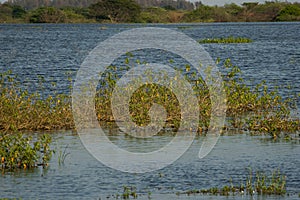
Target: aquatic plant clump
<point>255,109</point>
<point>20,110</point>
<point>23,152</point>
<point>258,108</point>
<point>256,184</point>
<point>230,39</point>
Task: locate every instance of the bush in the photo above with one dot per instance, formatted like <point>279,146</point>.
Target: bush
<point>289,13</point>
<point>5,12</point>
<point>115,11</point>
<point>47,15</point>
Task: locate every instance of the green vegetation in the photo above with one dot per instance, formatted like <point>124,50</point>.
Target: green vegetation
<point>47,15</point>
<point>254,184</point>
<point>62,155</point>
<point>230,39</point>
<point>289,13</point>
<point>115,11</point>
<point>259,184</point>
<point>256,109</point>
<point>129,191</point>
<point>18,151</point>
<point>140,11</point>
<point>20,110</point>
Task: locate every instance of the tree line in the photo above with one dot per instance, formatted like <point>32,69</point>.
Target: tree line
<point>33,4</point>
<point>143,11</point>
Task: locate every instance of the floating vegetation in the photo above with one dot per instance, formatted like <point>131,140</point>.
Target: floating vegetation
<point>226,40</point>
<point>255,109</point>
<point>23,152</point>
<point>20,110</point>
<point>255,184</point>
<point>128,192</point>
<point>184,27</point>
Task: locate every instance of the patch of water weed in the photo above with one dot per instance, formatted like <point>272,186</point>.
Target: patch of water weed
<point>10,198</point>
<point>129,192</point>
<point>258,183</point>
<point>18,151</point>
<point>226,40</point>
<point>184,27</point>
<point>20,110</point>
<point>256,109</point>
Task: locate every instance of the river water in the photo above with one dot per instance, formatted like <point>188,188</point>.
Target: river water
<point>56,52</point>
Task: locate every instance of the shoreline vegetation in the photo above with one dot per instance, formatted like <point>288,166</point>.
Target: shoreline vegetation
<point>140,11</point>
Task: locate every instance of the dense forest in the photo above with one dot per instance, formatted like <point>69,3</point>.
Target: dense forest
<point>142,11</point>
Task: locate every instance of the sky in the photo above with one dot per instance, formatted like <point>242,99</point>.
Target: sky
<point>222,2</point>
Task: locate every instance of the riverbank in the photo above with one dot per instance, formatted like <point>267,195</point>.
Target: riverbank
<point>131,12</point>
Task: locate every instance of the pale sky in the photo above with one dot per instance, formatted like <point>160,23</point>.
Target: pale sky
<point>222,2</point>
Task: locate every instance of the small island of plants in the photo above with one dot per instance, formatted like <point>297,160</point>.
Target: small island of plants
<point>225,40</point>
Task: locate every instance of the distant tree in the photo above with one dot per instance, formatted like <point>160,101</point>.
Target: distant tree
<point>5,12</point>
<point>18,11</point>
<point>168,7</point>
<point>289,13</point>
<point>115,10</point>
<point>47,15</point>
<point>233,9</point>
<point>154,15</point>
<point>202,14</point>
<point>178,4</point>
<point>267,11</point>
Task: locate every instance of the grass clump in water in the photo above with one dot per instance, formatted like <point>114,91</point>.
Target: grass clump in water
<point>260,184</point>
<point>226,40</point>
